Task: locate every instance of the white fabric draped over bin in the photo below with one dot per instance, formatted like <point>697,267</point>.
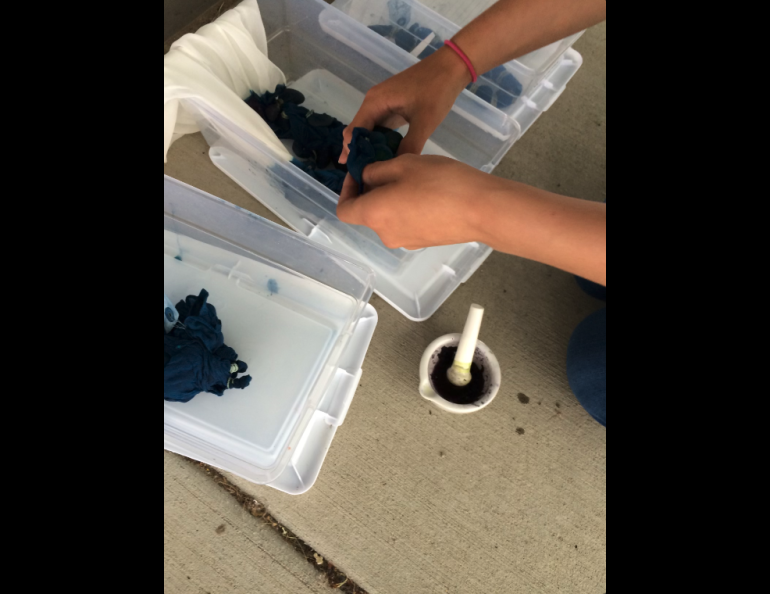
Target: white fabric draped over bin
<point>218,67</point>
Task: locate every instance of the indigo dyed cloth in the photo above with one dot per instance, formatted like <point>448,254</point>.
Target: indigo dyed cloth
<point>498,87</point>
<point>318,138</point>
<point>195,356</point>
<point>369,147</point>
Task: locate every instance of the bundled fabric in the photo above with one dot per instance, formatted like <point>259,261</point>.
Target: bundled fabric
<point>318,138</point>
<point>509,88</point>
<point>334,179</point>
<point>369,147</point>
<point>195,356</point>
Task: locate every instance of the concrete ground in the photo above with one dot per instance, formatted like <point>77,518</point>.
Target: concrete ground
<point>212,545</point>
<point>412,500</point>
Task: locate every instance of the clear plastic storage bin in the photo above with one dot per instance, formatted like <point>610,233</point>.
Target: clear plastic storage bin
<point>542,75</point>
<point>297,313</point>
<point>303,41</point>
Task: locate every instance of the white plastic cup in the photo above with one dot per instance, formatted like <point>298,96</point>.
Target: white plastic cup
<point>484,357</point>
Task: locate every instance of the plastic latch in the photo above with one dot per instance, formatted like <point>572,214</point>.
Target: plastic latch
<point>318,236</point>
<point>478,264</point>
<point>340,396</point>
<point>342,389</point>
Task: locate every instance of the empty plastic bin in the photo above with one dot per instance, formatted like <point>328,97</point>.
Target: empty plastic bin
<point>543,75</point>
<point>297,313</point>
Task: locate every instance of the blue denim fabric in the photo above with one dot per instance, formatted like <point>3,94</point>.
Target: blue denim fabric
<point>587,358</point>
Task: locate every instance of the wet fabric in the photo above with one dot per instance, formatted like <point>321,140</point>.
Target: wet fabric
<point>369,147</point>
<point>318,138</point>
<point>498,87</point>
<point>334,179</point>
<point>195,356</point>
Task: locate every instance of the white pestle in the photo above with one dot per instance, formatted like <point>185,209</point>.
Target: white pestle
<point>460,372</point>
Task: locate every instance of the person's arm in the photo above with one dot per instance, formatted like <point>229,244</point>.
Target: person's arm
<point>513,28</point>
<point>424,95</point>
<point>417,202</point>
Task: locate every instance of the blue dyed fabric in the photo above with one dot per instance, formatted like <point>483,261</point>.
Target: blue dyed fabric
<point>369,147</point>
<point>498,87</point>
<point>318,138</point>
<point>406,41</point>
<point>195,356</point>
<point>333,179</point>
<point>510,87</point>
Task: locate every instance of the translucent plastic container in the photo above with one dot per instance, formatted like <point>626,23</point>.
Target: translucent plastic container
<point>295,312</point>
<point>307,36</point>
<point>542,75</point>
<point>303,42</point>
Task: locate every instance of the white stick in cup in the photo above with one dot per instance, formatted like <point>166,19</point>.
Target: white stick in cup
<point>460,372</point>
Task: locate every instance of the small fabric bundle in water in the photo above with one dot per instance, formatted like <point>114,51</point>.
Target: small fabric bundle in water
<point>195,356</point>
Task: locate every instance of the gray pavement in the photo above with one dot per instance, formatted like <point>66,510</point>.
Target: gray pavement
<point>211,545</point>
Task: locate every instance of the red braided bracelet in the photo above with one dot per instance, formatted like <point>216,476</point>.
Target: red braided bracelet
<point>465,58</point>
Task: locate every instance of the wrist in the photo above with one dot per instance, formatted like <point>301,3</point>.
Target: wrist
<point>485,208</point>
<point>453,67</point>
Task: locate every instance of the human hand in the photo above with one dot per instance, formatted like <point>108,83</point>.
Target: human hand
<point>415,202</point>
<point>421,96</point>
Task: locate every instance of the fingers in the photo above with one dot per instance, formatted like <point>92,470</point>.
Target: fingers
<point>352,205</point>
<point>365,118</point>
<point>416,139</point>
<point>383,172</point>
<point>348,209</point>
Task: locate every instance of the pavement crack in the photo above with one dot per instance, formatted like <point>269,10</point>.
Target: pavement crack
<point>337,579</point>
